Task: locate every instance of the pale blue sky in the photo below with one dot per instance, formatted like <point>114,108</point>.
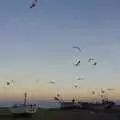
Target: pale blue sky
<point>37,43</point>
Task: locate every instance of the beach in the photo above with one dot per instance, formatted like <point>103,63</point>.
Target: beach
<point>57,114</point>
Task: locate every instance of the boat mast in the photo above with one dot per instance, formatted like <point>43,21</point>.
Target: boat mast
<point>25,99</point>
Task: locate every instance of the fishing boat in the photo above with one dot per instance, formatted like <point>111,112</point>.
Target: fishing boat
<point>25,109</point>
<point>68,104</point>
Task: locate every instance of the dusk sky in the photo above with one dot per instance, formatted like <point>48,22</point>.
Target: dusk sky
<point>36,44</point>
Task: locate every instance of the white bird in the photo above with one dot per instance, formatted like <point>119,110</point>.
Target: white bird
<point>95,63</point>
<point>52,82</point>
<point>75,85</point>
<point>78,62</point>
<point>80,78</point>
<point>10,82</point>
<point>90,59</point>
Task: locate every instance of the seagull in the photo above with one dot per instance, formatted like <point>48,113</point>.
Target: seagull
<point>95,63</point>
<point>75,85</point>
<point>8,83</point>
<point>80,78</point>
<point>90,59</point>
<point>78,62</point>
<point>34,4</point>
<point>52,82</point>
<point>78,48</point>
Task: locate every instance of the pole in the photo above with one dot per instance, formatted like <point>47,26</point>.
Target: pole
<point>25,98</point>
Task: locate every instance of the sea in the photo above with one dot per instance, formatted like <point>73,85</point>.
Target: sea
<point>41,104</point>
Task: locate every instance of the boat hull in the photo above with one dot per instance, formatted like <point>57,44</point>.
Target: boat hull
<point>23,111</point>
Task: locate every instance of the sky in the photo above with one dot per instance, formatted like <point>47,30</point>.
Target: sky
<point>36,44</point>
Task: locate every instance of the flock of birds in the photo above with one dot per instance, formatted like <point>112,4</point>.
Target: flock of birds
<point>90,60</point>
<point>77,64</point>
<point>34,3</point>
<point>10,82</point>
<point>103,92</point>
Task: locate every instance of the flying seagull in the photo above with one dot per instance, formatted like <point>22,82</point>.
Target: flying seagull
<point>95,63</point>
<point>8,83</point>
<point>34,3</point>
<point>80,78</point>
<point>75,85</point>
<point>52,82</point>
<point>90,59</point>
<point>78,48</point>
<point>78,62</point>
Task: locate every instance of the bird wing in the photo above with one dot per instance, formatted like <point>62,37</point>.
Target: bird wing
<point>90,59</point>
<point>75,85</point>
<point>78,48</point>
<point>52,82</point>
<point>95,63</point>
<point>33,5</point>
<point>80,78</point>
<point>78,62</point>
